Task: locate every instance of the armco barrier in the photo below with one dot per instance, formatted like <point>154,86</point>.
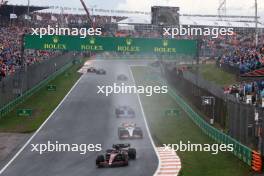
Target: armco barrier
<point>10,106</point>
<point>242,152</point>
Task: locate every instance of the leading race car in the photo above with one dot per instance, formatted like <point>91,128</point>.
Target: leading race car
<point>130,131</point>
<point>100,71</point>
<point>124,112</point>
<point>118,156</point>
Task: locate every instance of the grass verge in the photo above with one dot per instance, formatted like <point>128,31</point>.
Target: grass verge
<point>42,103</point>
<point>172,130</point>
<point>214,74</point>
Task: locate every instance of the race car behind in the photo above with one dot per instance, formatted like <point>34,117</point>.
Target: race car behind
<point>130,131</point>
<point>100,71</point>
<point>91,70</point>
<point>124,112</point>
<point>118,156</point>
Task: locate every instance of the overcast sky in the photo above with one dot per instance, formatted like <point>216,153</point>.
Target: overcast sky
<point>234,7</point>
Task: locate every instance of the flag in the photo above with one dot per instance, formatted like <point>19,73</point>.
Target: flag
<point>13,16</point>
<point>53,18</point>
<point>39,18</point>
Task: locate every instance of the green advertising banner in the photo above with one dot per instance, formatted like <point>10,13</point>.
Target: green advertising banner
<point>172,112</point>
<point>116,44</point>
<point>51,87</point>
<point>24,112</point>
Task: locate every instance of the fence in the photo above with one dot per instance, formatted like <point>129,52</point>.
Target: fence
<point>188,85</point>
<point>204,84</point>
<point>13,86</point>
<point>237,119</point>
<point>239,150</point>
<point>241,123</point>
<point>9,107</point>
<point>242,152</point>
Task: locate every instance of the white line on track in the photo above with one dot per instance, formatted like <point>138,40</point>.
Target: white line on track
<point>167,166</point>
<point>30,139</point>
<point>146,123</point>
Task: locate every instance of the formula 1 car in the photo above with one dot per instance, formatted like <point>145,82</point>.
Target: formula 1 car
<point>100,71</point>
<point>124,112</point>
<point>118,156</point>
<point>91,70</point>
<point>130,131</point>
<point>122,77</point>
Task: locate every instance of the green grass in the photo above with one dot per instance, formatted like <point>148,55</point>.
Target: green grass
<point>172,130</point>
<point>214,74</point>
<point>42,102</point>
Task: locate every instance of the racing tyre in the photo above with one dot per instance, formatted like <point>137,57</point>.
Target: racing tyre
<point>99,159</point>
<point>132,153</point>
<point>126,163</point>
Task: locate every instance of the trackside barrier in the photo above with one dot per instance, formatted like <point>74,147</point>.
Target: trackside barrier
<point>256,164</point>
<point>10,106</point>
<point>241,151</point>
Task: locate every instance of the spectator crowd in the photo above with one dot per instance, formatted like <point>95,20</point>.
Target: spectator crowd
<point>245,56</point>
<point>250,92</point>
<point>10,51</point>
<point>10,55</point>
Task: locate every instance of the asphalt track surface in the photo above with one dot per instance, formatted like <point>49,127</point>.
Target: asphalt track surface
<point>87,117</point>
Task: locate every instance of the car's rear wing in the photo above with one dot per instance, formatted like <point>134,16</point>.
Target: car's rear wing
<point>118,146</point>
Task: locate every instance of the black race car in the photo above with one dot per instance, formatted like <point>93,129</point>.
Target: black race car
<point>122,77</point>
<point>118,156</point>
<point>100,71</point>
<point>91,70</point>
<point>124,112</point>
<point>130,131</point>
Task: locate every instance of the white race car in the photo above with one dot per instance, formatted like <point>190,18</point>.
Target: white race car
<point>130,131</point>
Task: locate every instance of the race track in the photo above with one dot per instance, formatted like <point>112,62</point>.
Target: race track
<point>89,118</point>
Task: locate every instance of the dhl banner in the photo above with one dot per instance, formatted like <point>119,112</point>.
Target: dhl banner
<point>116,44</point>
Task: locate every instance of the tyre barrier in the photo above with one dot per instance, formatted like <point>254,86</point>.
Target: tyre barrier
<point>256,163</point>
